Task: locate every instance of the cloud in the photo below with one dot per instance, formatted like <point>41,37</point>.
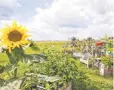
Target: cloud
<point>80,18</point>
<point>7,11</point>
<point>62,19</point>
<point>8,3</point>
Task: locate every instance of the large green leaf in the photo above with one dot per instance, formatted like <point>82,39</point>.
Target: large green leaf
<point>10,67</point>
<point>34,57</point>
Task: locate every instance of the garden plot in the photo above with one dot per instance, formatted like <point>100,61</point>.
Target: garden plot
<point>96,62</point>
<point>105,71</point>
<point>86,59</point>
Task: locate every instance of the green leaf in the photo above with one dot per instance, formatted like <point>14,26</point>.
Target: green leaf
<point>10,68</point>
<point>34,45</point>
<point>47,86</point>
<point>2,68</point>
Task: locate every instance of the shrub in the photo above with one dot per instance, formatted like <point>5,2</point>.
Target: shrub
<point>65,67</point>
<point>107,60</point>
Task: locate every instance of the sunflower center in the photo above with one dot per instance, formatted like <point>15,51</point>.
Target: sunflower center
<point>14,36</point>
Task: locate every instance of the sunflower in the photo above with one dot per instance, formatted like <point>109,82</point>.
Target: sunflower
<point>14,36</point>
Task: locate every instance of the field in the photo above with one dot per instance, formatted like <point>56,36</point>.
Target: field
<point>93,74</point>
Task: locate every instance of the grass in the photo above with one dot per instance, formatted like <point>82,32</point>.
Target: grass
<point>93,74</point>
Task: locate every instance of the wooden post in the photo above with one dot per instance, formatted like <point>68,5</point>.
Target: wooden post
<point>102,69</point>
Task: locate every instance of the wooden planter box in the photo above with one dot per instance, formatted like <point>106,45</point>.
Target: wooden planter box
<point>105,71</point>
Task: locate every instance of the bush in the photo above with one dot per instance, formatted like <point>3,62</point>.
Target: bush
<point>62,65</point>
<point>107,60</point>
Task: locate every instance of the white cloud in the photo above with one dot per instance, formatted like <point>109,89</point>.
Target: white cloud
<point>18,5</point>
<point>7,10</point>
<point>64,18</point>
<point>8,3</point>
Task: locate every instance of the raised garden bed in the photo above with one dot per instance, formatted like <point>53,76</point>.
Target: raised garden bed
<point>44,82</point>
<point>105,71</point>
<point>18,84</point>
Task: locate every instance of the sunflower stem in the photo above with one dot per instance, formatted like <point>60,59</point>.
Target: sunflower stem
<point>15,73</point>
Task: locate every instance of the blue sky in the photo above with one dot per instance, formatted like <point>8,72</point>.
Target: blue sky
<point>60,19</point>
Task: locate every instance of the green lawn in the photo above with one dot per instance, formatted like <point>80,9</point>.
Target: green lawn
<point>93,74</point>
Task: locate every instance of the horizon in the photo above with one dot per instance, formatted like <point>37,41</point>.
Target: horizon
<point>70,38</point>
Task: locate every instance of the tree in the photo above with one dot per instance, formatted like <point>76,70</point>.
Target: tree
<point>73,41</point>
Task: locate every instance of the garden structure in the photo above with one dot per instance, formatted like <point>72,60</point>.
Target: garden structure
<point>92,54</point>
<point>106,65</point>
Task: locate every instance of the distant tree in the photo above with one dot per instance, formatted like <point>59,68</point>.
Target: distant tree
<point>89,38</point>
<point>73,41</point>
<point>105,38</point>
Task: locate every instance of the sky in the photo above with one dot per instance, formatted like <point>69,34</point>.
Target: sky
<point>60,19</point>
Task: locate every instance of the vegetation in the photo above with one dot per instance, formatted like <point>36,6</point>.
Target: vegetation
<point>56,64</point>
<point>107,60</point>
<point>46,65</point>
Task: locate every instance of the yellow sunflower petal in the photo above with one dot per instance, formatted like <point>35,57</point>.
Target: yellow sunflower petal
<point>14,36</point>
<point>14,24</point>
